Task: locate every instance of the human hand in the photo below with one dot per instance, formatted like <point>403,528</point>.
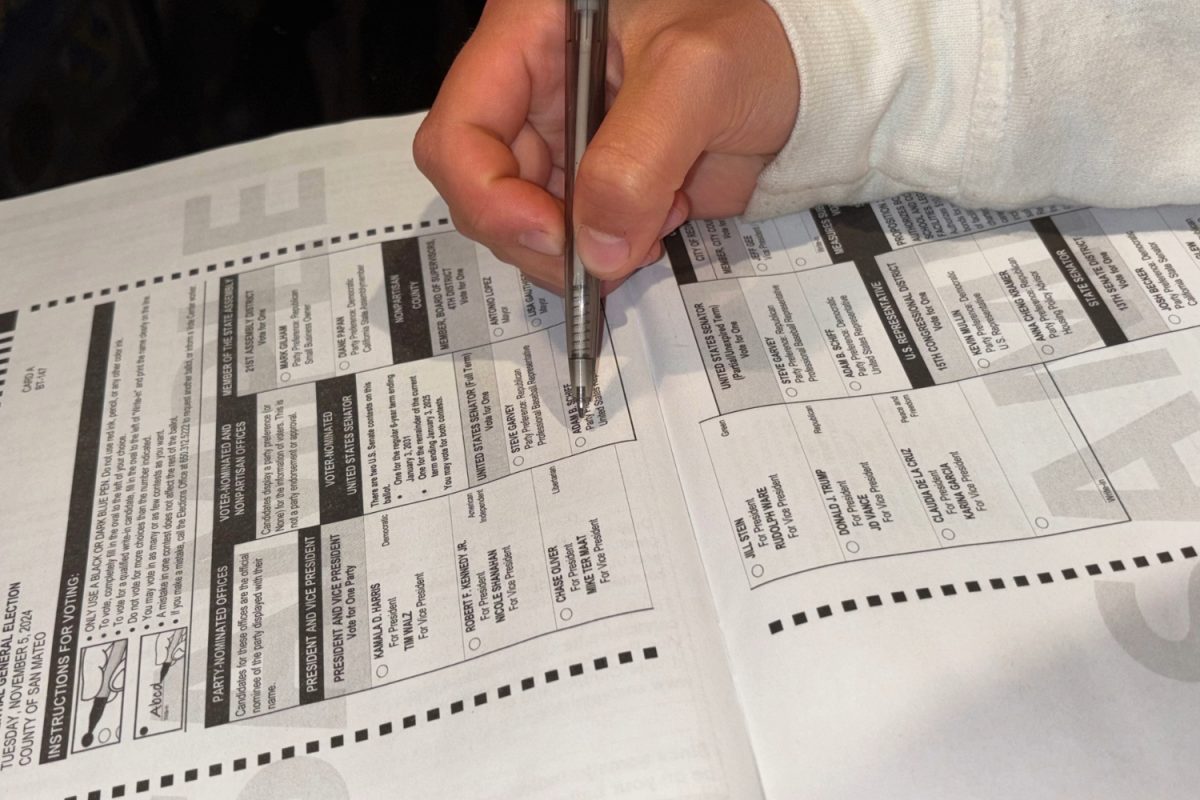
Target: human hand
<point>703,93</point>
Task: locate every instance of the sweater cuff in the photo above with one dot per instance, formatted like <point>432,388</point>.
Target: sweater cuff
<point>887,94</point>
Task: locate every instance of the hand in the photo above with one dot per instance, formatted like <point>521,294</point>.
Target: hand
<point>703,93</point>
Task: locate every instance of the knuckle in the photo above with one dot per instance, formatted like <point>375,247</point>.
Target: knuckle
<point>478,221</point>
<point>701,51</point>
<point>615,180</point>
<point>425,147</point>
<point>464,223</point>
<point>482,220</point>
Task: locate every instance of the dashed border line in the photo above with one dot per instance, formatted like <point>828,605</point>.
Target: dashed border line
<point>304,249</point>
<point>454,708</point>
<point>800,619</point>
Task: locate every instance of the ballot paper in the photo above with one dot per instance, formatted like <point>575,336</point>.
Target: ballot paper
<point>895,500</point>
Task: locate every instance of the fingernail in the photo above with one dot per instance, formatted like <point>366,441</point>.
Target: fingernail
<point>541,242</point>
<point>676,218</point>
<point>602,253</point>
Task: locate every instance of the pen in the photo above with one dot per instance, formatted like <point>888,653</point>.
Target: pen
<point>587,51</point>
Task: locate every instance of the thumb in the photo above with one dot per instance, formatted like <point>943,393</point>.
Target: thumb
<point>627,191</point>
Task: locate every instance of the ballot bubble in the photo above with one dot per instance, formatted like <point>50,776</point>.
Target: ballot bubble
<point>537,323</point>
<point>757,570</point>
<point>1175,319</point>
<point>580,441</point>
<point>344,366</point>
<point>984,363</point>
<point>855,386</point>
<point>763,267</point>
<point>498,332</point>
<point>1042,522</point>
<point>518,461</point>
<point>792,392</point>
<point>284,377</point>
<point>474,644</point>
<point>381,671</point>
<point>1048,349</point>
<point>948,534</point>
<point>566,614</point>
<point>852,547</point>
<point>801,262</point>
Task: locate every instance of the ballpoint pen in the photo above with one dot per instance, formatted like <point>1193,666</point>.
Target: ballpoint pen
<point>587,46</point>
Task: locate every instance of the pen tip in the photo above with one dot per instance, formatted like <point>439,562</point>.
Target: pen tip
<point>582,398</point>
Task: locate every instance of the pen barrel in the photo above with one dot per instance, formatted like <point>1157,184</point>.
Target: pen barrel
<point>583,336</point>
<point>587,65</point>
<point>587,61</point>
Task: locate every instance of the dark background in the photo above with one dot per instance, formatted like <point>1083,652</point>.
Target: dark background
<point>89,87</point>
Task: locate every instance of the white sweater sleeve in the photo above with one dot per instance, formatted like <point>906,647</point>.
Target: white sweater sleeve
<point>999,103</point>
